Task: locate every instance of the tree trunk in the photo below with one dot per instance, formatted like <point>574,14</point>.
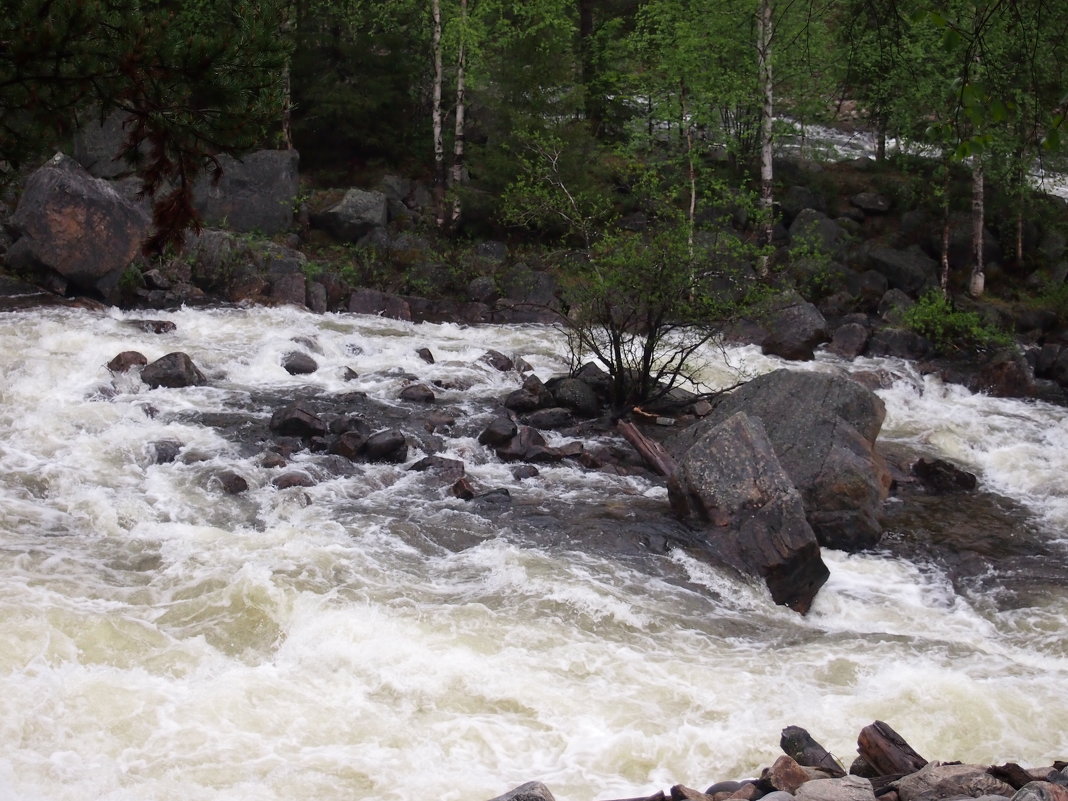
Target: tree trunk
<point>591,102</point>
<point>943,279</point>
<point>438,119</point>
<point>458,131</point>
<point>767,111</point>
<point>977,279</point>
<point>691,171</point>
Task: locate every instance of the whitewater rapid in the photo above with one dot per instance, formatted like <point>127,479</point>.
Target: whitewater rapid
<point>160,639</point>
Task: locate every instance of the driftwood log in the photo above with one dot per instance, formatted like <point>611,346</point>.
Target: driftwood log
<point>652,452</point>
<point>886,750</point>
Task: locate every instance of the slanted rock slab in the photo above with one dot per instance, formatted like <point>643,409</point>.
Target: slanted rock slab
<point>847,788</point>
<point>730,483</point>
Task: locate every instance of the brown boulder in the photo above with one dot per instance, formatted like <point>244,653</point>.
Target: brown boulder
<point>75,225</point>
<point>173,370</point>
<point>126,361</point>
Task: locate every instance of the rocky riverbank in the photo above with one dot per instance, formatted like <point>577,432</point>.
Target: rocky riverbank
<point>887,769</point>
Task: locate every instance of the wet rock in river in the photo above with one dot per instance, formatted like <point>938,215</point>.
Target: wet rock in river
<point>730,483</point>
<point>939,476</point>
<point>499,432</point>
<point>297,420</point>
<point>531,791</point>
<point>576,395</point>
<point>497,360</point>
<point>293,478</point>
<point>126,361</point>
<point>386,446</point>
<point>799,745</point>
<point>153,326</point>
<point>231,482</point>
<point>173,370</point>
<point>450,469</point>
<point>417,393</point>
<point>299,363</point>
<point>823,429</point>
<point>165,451</point>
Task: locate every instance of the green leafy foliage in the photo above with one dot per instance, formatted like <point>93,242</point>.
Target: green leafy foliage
<point>193,80</point>
<point>950,329</point>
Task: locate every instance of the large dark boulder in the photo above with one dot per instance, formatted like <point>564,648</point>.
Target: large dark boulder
<point>795,327</point>
<point>297,420</point>
<point>256,192</point>
<point>910,270</point>
<point>823,428</point>
<point>75,226</point>
<point>172,370</point>
<point>372,301</point>
<point>357,214</point>
<point>730,482</point>
<point>815,230</point>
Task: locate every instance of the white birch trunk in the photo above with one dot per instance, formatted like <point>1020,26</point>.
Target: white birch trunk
<point>977,280</point>
<point>458,131</point>
<point>437,116</point>
<point>767,111</point>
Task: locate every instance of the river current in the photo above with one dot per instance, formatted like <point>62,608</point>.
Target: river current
<point>373,637</point>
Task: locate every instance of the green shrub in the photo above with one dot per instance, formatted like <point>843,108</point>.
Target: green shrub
<point>950,329</point>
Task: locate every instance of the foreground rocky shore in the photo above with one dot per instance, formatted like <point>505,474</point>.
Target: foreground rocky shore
<point>887,769</point>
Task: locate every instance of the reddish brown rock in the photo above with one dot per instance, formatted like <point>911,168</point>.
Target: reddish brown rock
<point>127,360</point>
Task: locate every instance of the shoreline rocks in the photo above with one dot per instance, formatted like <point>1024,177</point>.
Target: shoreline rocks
<point>809,773</point>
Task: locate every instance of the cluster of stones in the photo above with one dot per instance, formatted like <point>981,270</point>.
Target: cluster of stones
<point>888,769</point>
<point>761,478</point>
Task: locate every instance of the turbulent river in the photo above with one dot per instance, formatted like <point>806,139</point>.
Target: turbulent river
<point>374,637</point>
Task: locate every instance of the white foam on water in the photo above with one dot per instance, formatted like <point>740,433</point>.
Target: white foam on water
<point>166,641</point>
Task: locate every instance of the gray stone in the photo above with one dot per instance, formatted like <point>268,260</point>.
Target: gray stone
<point>910,270</point>
<point>899,343</point>
<point>386,446</point>
<point>417,393</point>
<point>815,229</point>
<point>849,340</point>
<point>847,788</point>
<point>298,363</point>
<point>794,328</point>
<point>531,791</point>
<point>291,288</point>
<point>165,451</point>
<point>936,780</point>
<point>576,395</point>
<point>353,217</point>
<point>255,193</point>
<point>730,480</point>
<point>371,301</point>
<point>1041,791</point>
<point>297,420</point>
<point>498,432</point>
<point>555,417</point>
<point>497,361</point>
<point>126,361</point>
<point>871,202</point>
<point>823,428</point>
